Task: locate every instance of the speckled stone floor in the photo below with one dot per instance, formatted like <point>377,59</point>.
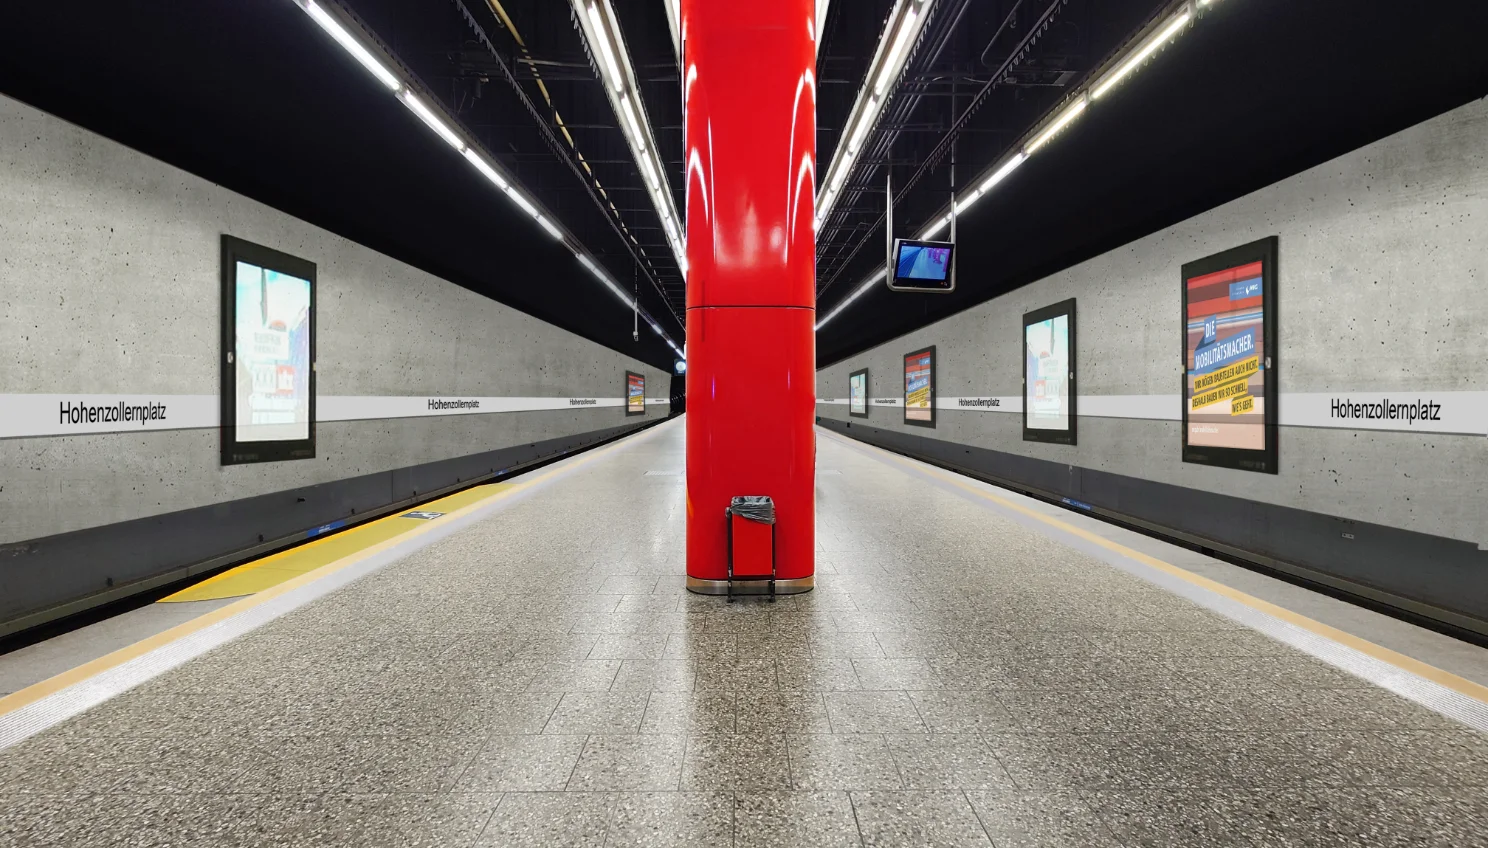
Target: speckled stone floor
<point>544,679</point>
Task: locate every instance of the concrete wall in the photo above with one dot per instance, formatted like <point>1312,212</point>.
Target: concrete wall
<point>1382,266</point>
<point>109,284</point>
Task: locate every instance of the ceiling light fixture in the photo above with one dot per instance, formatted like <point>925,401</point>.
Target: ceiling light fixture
<point>351,45</point>
<point>1141,55</point>
<point>905,23</point>
<point>1180,15</point>
<point>601,31</point>
<point>440,128</point>
<point>430,116</point>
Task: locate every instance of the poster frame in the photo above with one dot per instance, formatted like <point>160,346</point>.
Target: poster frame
<point>235,452</point>
<point>642,410</point>
<point>919,352</point>
<point>1263,461</point>
<point>867,394</point>
<point>1070,435</point>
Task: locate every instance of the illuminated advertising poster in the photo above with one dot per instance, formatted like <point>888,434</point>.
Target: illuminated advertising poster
<point>857,394</point>
<point>1229,338</point>
<point>635,393</point>
<point>269,381</point>
<point>1049,374</point>
<point>919,388</point>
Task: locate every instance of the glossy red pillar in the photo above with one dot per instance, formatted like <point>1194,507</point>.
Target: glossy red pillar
<point>749,93</point>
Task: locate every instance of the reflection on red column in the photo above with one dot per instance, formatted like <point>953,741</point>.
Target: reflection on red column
<point>749,91</point>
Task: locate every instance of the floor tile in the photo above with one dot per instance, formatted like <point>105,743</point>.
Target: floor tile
<point>841,761</point>
<point>784,819</point>
<point>636,762</point>
<point>930,819</point>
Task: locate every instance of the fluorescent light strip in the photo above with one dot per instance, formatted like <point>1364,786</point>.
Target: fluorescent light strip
<point>1060,123</point>
<point>865,123</point>
<point>524,203</point>
<point>486,170</point>
<point>601,34</point>
<point>552,230</point>
<point>604,278</point>
<point>867,284</point>
<point>351,45</point>
<point>418,107</point>
<point>887,65</point>
<point>1073,111</point>
<point>1001,173</point>
<point>890,67</point>
<point>635,126</point>
<point>1141,55</point>
<point>440,128</point>
<point>600,25</point>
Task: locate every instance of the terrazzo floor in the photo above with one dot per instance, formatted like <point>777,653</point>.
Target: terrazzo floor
<point>544,679</point>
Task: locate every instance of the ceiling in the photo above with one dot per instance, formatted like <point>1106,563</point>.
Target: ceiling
<point>1307,80</point>
<point>217,86</point>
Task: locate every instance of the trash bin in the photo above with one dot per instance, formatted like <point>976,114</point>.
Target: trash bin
<point>751,541</point>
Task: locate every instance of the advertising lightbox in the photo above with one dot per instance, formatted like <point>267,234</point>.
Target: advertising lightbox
<point>1049,413</point>
<point>1229,345</point>
<point>919,388</point>
<point>857,393</point>
<point>268,341</point>
<point>635,393</point>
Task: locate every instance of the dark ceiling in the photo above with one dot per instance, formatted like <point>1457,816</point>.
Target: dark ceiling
<point>1256,91</point>
<point>253,96</point>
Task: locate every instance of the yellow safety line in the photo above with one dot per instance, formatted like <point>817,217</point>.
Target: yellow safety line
<point>37,691</point>
<point>275,568</point>
<point>1414,666</point>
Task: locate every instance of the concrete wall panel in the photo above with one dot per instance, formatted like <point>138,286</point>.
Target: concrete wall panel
<point>109,284</point>
<point>1383,255</point>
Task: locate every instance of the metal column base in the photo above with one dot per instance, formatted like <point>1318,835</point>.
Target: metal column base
<point>794,586</point>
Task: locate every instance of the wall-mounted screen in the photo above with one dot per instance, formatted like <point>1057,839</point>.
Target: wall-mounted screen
<point>268,356</point>
<point>1049,413</point>
<point>635,393</point>
<point>1229,355</point>
<point>857,393</point>
<point>919,388</point>
<point>922,265</point>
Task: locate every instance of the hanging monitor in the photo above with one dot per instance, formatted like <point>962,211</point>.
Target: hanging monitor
<point>922,265</point>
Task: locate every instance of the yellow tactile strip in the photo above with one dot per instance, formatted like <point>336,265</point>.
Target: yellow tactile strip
<point>36,692</point>
<point>1423,670</point>
<point>274,569</point>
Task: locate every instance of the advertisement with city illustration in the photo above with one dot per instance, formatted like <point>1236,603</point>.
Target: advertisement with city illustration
<point>919,388</point>
<point>1229,337</point>
<point>1049,374</point>
<point>269,396</point>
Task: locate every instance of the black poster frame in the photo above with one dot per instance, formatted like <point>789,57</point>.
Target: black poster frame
<point>642,410</point>
<point>920,352</point>
<point>1070,435</point>
<point>235,452</point>
<point>867,398</point>
<point>1263,461</point>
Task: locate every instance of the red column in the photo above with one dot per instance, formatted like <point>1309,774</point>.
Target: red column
<point>749,90</point>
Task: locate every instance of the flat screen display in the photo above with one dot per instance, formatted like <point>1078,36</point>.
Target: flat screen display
<point>272,347</point>
<point>1229,389</point>
<point>635,393</point>
<point>268,402</point>
<point>1049,374</point>
<point>919,388</point>
<point>923,264</point>
<point>857,394</point>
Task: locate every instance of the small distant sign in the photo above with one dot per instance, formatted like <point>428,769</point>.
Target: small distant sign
<point>425,516</point>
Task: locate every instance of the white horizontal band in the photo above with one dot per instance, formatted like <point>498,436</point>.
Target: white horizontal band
<point>1458,413</point>
<point>31,415</point>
